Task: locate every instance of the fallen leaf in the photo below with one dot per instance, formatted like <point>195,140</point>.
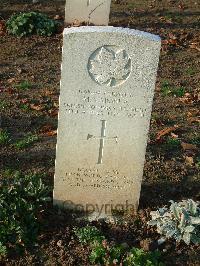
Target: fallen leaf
<point>181,6</point>
<point>25,100</point>
<point>190,98</point>
<point>174,136</point>
<point>58,17</point>
<point>45,128</point>
<point>10,90</point>
<point>172,36</point>
<point>2,89</point>
<point>48,130</point>
<point>189,114</point>
<point>165,131</point>
<point>2,28</point>
<point>37,107</point>
<point>194,45</point>
<point>11,80</point>
<point>48,92</point>
<point>189,160</point>
<point>173,41</point>
<point>193,120</point>
<point>19,70</point>
<point>51,133</point>
<point>76,23</point>
<point>167,20</point>
<point>59,243</point>
<point>188,146</point>
<point>53,112</point>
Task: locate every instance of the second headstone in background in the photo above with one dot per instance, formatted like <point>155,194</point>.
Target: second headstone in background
<point>89,11</point>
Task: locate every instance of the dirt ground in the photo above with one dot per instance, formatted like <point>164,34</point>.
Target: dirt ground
<point>172,159</point>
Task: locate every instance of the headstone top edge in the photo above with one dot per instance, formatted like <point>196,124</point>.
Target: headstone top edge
<point>111,29</point>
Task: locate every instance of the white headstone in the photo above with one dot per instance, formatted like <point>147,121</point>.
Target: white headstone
<point>107,87</point>
<point>90,11</point>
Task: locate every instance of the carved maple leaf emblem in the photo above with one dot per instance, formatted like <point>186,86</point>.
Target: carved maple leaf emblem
<point>109,67</point>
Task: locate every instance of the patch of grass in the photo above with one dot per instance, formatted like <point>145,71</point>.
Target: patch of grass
<point>24,85</point>
<point>132,5</point>
<point>3,104</point>
<point>168,89</point>
<point>4,137</point>
<point>3,250</point>
<point>195,140</point>
<point>172,144</point>
<point>178,91</point>
<point>22,199</point>
<point>8,172</point>
<point>172,17</point>
<point>198,162</point>
<point>169,16</point>
<point>26,141</point>
<point>178,19</point>
<point>190,71</point>
<point>165,88</point>
<point>24,106</point>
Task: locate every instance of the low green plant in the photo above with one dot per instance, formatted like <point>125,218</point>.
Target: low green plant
<point>23,24</point>
<point>3,104</point>
<point>88,234</point>
<point>8,172</point>
<point>195,140</point>
<point>190,71</point>
<point>198,162</point>
<point>4,137</point>
<point>24,85</point>
<point>180,221</point>
<point>22,199</point>
<point>138,257</point>
<point>169,16</point>
<point>97,255</point>
<point>26,141</point>
<point>165,88</point>
<point>3,250</point>
<point>168,89</point>
<point>103,253</point>
<point>178,91</point>
<point>24,106</point>
<point>172,144</point>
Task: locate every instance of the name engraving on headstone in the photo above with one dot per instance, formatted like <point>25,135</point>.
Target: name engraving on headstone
<point>109,65</point>
<point>112,104</point>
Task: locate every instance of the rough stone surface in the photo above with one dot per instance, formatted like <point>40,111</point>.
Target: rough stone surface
<point>90,11</point>
<point>107,87</point>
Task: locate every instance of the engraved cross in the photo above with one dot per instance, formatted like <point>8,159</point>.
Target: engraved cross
<point>102,140</point>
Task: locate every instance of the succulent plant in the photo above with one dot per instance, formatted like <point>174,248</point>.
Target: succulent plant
<point>180,221</point>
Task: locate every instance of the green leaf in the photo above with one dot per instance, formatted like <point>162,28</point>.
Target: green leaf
<point>195,239</point>
<point>189,228</point>
<point>30,23</point>
<point>186,238</point>
<point>175,210</point>
<point>195,220</point>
